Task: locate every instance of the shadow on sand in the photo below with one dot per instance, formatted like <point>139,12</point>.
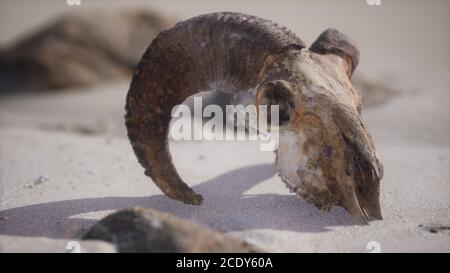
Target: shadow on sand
<point>229,210</point>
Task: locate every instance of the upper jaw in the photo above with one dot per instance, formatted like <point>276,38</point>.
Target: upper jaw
<point>329,158</point>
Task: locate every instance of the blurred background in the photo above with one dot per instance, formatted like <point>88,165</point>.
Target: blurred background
<point>65,71</point>
<point>398,30</point>
<point>49,45</point>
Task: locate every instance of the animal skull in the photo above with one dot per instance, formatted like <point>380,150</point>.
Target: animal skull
<point>326,154</point>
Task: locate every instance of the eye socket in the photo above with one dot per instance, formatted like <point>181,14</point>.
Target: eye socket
<point>277,93</point>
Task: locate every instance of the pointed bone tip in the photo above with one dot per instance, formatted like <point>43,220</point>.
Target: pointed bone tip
<point>185,195</point>
<point>191,199</point>
<point>197,200</point>
<point>377,215</point>
<point>366,217</point>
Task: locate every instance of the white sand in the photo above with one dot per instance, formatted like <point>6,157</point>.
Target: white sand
<point>89,176</point>
<point>77,140</point>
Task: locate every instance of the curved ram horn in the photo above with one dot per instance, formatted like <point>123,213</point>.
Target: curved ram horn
<point>224,51</point>
<point>332,41</point>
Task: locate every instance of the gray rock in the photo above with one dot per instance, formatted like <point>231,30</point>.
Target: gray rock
<point>148,230</point>
<point>80,49</point>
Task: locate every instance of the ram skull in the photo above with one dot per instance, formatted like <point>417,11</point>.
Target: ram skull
<point>326,154</point>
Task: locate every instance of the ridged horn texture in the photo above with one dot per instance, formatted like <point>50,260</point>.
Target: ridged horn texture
<point>332,41</point>
<point>223,51</point>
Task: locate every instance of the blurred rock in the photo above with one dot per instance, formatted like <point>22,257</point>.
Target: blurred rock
<point>80,49</point>
<point>374,92</point>
<point>148,230</point>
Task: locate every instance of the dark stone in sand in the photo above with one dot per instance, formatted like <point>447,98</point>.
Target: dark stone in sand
<point>80,49</point>
<point>148,230</point>
<point>436,228</point>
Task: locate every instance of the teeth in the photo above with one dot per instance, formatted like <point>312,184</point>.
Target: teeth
<point>366,214</point>
<point>361,172</point>
<point>375,171</point>
<point>372,174</point>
